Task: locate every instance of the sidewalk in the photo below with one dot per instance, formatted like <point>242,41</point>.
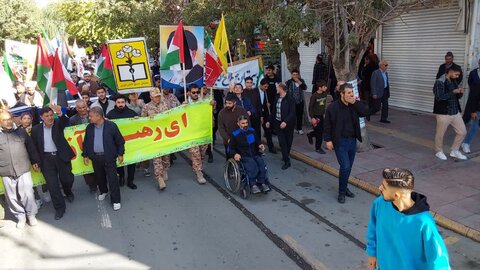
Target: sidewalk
<point>452,188</point>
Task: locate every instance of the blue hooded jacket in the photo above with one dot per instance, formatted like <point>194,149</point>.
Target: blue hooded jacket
<point>405,240</point>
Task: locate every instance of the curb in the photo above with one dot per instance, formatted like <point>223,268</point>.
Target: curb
<point>443,221</point>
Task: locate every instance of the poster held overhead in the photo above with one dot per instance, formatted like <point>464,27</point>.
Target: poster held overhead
<point>172,75</point>
<point>130,65</point>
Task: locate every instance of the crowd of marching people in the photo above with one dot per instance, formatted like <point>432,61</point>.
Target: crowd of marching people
<point>33,139</point>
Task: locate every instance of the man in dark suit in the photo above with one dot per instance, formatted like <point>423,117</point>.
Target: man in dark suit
<point>104,145</point>
<point>442,69</point>
<point>265,114</point>
<point>282,119</point>
<point>380,91</point>
<point>56,155</point>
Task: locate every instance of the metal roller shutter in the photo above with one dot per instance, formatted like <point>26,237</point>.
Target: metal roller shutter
<point>415,45</point>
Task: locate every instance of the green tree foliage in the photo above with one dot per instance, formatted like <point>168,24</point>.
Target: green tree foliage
<point>18,20</point>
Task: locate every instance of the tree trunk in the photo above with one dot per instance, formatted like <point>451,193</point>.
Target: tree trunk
<point>292,54</point>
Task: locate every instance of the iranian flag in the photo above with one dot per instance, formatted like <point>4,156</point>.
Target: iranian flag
<point>213,66</point>
<point>44,70</point>
<point>61,79</point>
<point>178,51</point>
<point>104,69</point>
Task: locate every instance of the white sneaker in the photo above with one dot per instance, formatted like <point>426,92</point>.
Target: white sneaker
<point>32,220</point>
<point>301,132</point>
<point>117,206</point>
<point>46,197</point>
<point>441,156</point>
<point>102,196</point>
<point>466,148</point>
<point>21,224</point>
<point>456,154</point>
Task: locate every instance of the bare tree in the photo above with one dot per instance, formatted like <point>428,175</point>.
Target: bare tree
<point>347,26</point>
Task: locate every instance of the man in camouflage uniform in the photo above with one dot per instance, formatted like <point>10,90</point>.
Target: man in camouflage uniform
<point>170,99</point>
<point>197,153</point>
<point>160,164</point>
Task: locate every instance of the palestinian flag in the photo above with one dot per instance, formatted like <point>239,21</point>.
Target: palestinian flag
<point>61,79</point>
<point>104,69</point>
<point>7,69</point>
<point>213,66</point>
<point>44,69</point>
<point>178,51</point>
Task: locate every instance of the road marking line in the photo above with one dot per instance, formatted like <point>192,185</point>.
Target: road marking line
<point>105,221</point>
<point>314,262</point>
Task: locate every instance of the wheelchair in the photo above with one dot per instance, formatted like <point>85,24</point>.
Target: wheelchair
<point>236,179</point>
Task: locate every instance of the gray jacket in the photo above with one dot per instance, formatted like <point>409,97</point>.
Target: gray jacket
<point>111,105</point>
<point>377,84</point>
<point>17,153</point>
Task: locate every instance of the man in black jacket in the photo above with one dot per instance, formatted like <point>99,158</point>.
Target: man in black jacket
<point>472,110</point>
<point>56,155</point>
<point>265,114</point>
<point>447,110</point>
<point>245,147</point>
<point>282,119</point>
<point>341,132</point>
<point>17,153</point>
<point>443,68</point>
<point>122,111</point>
<point>104,145</point>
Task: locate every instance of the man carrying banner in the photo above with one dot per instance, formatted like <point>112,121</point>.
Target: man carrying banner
<point>197,153</point>
<point>160,164</point>
<point>56,155</point>
<point>17,152</point>
<point>122,111</point>
<point>104,145</point>
<point>81,117</point>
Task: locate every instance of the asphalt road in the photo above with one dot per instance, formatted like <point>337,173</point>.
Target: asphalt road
<point>298,225</point>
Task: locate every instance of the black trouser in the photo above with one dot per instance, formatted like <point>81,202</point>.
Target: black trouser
<point>57,172</point>
<point>318,132</point>
<point>381,103</point>
<point>257,126</point>
<point>90,180</point>
<point>215,126</point>
<point>130,171</point>
<point>105,171</point>
<point>285,139</point>
<point>299,112</point>
<point>268,136</point>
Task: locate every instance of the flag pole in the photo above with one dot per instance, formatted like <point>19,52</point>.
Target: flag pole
<point>211,96</point>
<point>184,82</point>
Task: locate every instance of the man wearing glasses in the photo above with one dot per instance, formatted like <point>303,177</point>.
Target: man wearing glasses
<point>197,153</point>
<point>380,91</point>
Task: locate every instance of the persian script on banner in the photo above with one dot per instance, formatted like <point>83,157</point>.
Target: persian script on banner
<point>146,138</point>
<point>250,67</point>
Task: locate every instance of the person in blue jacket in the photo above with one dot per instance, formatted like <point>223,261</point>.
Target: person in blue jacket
<point>402,233</point>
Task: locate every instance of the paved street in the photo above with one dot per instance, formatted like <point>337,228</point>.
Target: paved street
<point>299,225</point>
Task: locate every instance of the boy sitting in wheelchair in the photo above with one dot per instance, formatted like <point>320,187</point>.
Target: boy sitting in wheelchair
<point>245,148</point>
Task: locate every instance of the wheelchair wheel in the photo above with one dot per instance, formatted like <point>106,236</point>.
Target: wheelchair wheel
<point>232,176</point>
<point>245,192</point>
<point>245,189</point>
